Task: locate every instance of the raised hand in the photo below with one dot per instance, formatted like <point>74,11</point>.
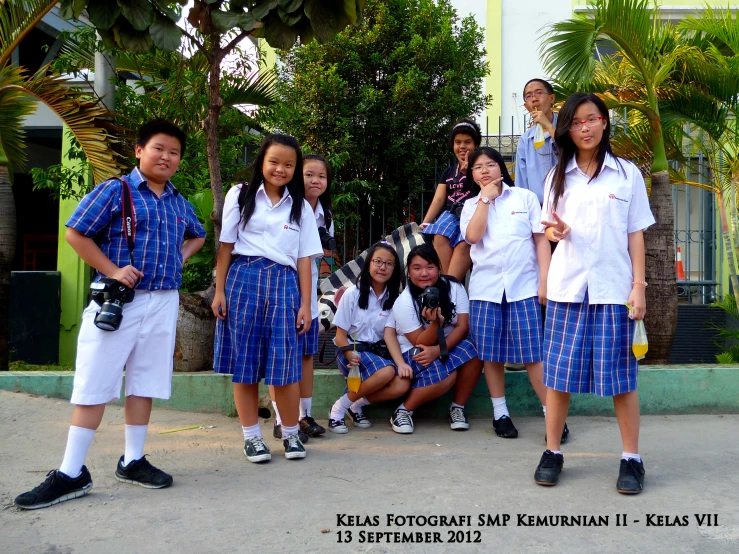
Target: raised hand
<point>560,229</point>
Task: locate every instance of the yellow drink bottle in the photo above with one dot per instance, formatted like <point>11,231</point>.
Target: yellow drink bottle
<point>354,380</point>
<point>639,350</point>
<point>539,138</point>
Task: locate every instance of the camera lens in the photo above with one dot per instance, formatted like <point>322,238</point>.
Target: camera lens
<point>109,317</point>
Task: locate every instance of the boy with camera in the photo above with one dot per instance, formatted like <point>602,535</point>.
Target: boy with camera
<point>137,232</point>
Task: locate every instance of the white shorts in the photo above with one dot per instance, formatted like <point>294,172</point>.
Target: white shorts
<point>144,344</point>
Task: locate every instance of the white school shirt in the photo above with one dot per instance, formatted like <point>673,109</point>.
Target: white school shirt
<point>594,257</point>
<point>504,259</point>
<point>369,324</point>
<point>270,231</point>
<point>405,319</point>
<point>320,222</point>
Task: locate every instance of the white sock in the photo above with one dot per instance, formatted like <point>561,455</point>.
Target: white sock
<point>500,408</point>
<point>278,421</point>
<point>627,455</point>
<point>402,407</point>
<point>544,409</point>
<point>287,431</point>
<point>359,404</point>
<point>79,440</point>
<point>340,407</point>
<point>252,432</point>
<point>305,406</point>
<point>135,439</point>
<point>556,452</point>
<point>455,405</point>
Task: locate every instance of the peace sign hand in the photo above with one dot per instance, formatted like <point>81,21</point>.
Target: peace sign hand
<point>560,229</point>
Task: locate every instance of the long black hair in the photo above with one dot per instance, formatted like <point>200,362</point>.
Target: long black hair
<point>566,146</point>
<point>443,283</point>
<point>325,198</point>
<point>296,188</point>
<point>494,155</point>
<point>394,285</point>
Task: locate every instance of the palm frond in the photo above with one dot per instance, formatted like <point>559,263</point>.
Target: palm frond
<point>86,118</point>
<point>14,107</point>
<point>721,25</point>
<point>259,90</point>
<point>17,18</point>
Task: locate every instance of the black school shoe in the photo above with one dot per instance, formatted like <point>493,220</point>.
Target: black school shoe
<point>256,450</point>
<point>57,488</point>
<point>309,427</point>
<point>277,433</point>
<point>504,428</point>
<point>294,449</point>
<point>141,472</point>
<point>359,419</point>
<point>565,435</point>
<point>549,468</point>
<point>630,477</point>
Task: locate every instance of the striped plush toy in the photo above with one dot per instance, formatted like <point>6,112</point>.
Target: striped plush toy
<point>332,287</point>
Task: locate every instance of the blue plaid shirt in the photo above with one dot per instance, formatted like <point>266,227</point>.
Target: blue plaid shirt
<point>162,225</point>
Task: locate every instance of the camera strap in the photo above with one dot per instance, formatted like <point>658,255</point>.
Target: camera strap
<point>443,350</point>
<point>128,216</point>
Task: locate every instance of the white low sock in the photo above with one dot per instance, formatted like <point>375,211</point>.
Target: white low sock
<point>627,455</point>
<point>556,452</point>
<point>79,440</point>
<point>135,439</point>
<point>305,406</point>
<point>287,431</point>
<point>340,407</point>
<point>278,421</point>
<point>455,405</point>
<point>359,404</point>
<point>544,409</point>
<point>402,407</point>
<point>500,408</point>
<point>252,432</point>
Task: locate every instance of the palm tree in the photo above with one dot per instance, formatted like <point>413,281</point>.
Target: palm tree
<point>84,117</point>
<point>654,52</point>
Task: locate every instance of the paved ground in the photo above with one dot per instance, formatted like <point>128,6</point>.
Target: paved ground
<point>222,503</point>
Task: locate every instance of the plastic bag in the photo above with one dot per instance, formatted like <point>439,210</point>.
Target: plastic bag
<point>539,137</point>
<point>639,345</point>
<point>354,380</point>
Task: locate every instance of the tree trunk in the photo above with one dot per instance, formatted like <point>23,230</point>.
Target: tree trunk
<point>661,319</point>
<point>210,125</point>
<point>7,255</point>
<point>195,330</point>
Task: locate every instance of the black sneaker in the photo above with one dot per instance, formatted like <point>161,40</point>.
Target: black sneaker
<point>457,419</point>
<point>57,488</point>
<point>277,433</point>
<point>294,449</point>
<point>337,426</point>
<point>256,450</point>
<point>309,427</point>
<point>359,419</point>
<point>504,428</point>
<point>402,422</point>
<point>565,435</point>
<point>630,477</point>
<point>142,473</point>
<point>549,468</point>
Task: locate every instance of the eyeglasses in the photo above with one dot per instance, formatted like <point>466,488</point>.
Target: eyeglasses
<point>377,262</point>
<point>589,122</point>
<point>489,166</point>
<point>537,93</point>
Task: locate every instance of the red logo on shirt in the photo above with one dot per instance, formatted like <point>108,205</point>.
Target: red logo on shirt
<point>611,196</point>
<point>513,213</point>
<point>285,227</point>
<point>614,197</point>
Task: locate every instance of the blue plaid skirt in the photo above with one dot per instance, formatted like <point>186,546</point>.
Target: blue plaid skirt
<point>309,341</point>
<point>447,225</point>
<point>258,339</point>
<point>507,332</point>
<point>368,366</point>
<point>587,348</point>
<point>424,376</point>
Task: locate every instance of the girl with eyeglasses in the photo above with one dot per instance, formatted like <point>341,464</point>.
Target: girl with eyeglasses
<point>360,322</point>
<point>596,208</point>
<point>451,193</point>
<point>510,257</point>
<point>433,341</point>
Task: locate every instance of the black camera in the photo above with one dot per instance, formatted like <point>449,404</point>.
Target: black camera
<point>429,298</point>
<point>110,295</point>
<point>455,208</point>
<point>327,241</point>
